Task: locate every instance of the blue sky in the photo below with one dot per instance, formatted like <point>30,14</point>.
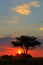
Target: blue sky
<point>19,17</point>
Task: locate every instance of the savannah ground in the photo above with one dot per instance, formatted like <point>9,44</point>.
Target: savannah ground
<point>17,60</point>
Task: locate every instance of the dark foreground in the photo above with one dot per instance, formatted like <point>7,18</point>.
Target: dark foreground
<point>14,60</point>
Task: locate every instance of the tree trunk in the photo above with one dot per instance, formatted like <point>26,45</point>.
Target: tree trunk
<point>26,51</point>
<point>23,49</point>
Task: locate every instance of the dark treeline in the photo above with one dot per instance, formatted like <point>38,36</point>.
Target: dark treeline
<point>20,60</point>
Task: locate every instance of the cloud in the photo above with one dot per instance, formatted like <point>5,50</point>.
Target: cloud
<point>40,29</point>
<point>22,9</point>
<point>25,9</point>
<point>13,19</point>
<point>12,36</point>
<point>1,36</point>
<point>35,4</point>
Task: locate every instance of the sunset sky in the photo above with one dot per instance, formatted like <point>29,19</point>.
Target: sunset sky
<point>20,17</point>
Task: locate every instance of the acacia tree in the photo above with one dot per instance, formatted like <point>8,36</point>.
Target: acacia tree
<point>26,42</point>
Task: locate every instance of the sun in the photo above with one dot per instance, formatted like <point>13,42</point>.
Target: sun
<point>19,51</point>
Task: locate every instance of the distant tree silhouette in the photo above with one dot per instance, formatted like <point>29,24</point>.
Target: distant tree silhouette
<point>5,56</point>
<point>22,55</point>
<point>26,42</point>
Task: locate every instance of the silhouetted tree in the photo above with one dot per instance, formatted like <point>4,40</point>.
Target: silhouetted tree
<point>26,42</point>
<point>22,55</point>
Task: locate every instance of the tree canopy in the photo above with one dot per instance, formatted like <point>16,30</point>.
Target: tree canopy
<point>26,42</point>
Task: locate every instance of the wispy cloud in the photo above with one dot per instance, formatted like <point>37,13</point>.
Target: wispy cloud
<point>13,19</point>
<point>1,36</point>
<point>40,29</point>
<point>25,9</point>
<point>35,4</point>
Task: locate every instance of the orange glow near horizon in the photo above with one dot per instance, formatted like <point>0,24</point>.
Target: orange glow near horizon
<point>7,50</point>
<point>19,51</point>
